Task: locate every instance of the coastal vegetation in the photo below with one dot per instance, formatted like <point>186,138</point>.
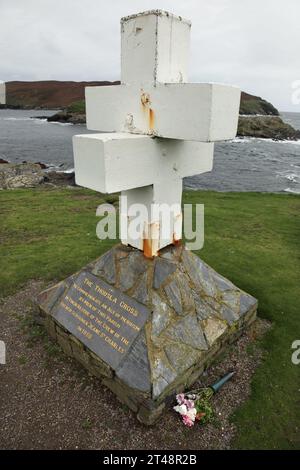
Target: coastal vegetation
<point>251,104</point>
<point>77,107</point>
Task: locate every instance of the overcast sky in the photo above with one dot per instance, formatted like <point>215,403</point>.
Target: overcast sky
<point>254,44</point>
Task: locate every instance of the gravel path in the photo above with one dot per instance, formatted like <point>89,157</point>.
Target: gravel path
<point>48,401</point>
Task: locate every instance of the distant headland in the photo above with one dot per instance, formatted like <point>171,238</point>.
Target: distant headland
<point>258,117</point>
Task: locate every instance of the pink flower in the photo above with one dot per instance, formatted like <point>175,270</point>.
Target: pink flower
<point>180,398</point>
<point>186,408</point>
<point>187,421</point>
<point>189,404</point>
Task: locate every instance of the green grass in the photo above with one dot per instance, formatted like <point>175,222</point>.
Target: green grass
<point>253,239</point>
<point>77,107</point>
<point>46,234</point>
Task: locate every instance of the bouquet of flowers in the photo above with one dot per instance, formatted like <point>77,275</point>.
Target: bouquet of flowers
<point>195,405</point>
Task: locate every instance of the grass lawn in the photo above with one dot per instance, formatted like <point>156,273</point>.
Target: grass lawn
<point>251,238</point>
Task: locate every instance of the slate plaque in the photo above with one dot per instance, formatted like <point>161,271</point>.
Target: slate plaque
<point>101,317</point>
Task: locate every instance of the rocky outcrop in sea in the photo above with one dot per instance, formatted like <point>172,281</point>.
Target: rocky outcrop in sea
<point>266,127</point>
<point>66,117</point>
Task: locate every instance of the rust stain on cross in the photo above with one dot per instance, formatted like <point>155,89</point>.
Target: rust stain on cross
<point>146,102</point>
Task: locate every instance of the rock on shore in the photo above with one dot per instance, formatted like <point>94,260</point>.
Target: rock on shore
<point>66,117</point>
<point>31,175</point>
<point>22,175</point>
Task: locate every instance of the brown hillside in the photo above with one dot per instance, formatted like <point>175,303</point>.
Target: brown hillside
<point>47,94</point>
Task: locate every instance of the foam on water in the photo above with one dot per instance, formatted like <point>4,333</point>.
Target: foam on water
<point>246,140</point>
<point>293,191</point>
<point>290,142</point>
<point>32,119</point>
<point>61,123</point>
<point>241,140</point>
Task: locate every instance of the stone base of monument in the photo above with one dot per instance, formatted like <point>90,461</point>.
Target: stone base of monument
<point>147,327</point>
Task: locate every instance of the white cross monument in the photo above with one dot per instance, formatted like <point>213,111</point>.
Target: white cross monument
<point>158,128</point>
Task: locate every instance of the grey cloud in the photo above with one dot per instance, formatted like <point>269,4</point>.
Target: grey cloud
<point>253,44</point>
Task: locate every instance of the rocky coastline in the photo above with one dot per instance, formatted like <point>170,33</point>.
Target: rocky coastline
<point>258,118</point>
<point>259,126</point>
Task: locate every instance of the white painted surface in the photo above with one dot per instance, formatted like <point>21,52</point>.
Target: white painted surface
<point>2,93</point>
<point>147,171</point>
<point>153,100</point>
<point>205,112</point>
<point>154,48</point>
<point>165,192</point>
<point>115,162</point>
